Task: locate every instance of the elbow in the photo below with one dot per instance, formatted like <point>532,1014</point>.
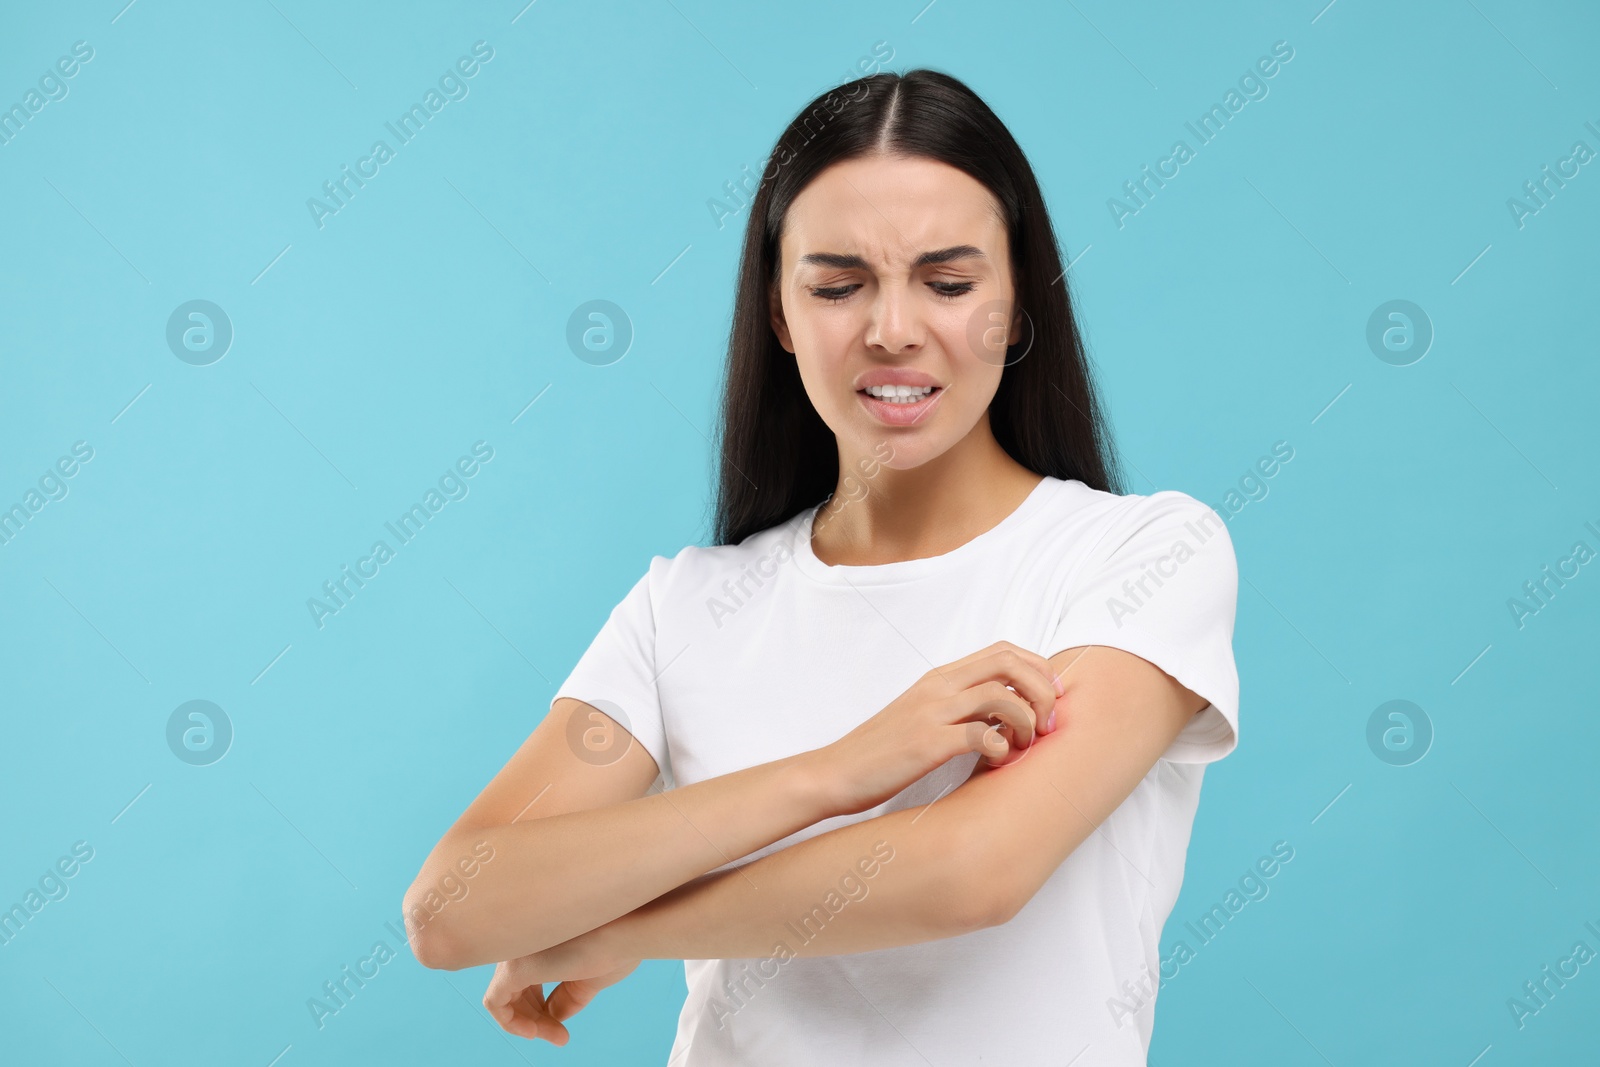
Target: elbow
<point>434,953</point>
<point>450,940</point>
<point>430,939</point>
<point>985,889</point>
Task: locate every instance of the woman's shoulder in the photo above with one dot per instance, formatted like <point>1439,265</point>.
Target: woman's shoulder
<point>1093,518</point>
<point>695,566</point>
<point>1074,498</point>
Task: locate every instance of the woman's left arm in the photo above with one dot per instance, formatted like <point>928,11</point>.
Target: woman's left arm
<point>970,859</point>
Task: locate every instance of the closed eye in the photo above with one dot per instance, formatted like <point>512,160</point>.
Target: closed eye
<point>944,290</point>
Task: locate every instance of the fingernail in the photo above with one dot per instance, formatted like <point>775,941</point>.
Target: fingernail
<point>1061,690</point>
<point>1050,723</point>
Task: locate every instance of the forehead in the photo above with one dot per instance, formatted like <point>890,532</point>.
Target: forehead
<point>889,210</point>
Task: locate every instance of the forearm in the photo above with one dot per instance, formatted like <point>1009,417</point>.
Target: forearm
<point>553,878</point>
<point>969,860</point>
<point>898,879</point>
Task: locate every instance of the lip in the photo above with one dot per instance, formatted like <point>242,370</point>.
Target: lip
<point>900,414</point>
<point>895,376</point>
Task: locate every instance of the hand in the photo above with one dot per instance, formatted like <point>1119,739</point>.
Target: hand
<point>942,716</point>
<point>583,966</point>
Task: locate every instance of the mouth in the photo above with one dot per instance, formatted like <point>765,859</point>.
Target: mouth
<point>900,405</point>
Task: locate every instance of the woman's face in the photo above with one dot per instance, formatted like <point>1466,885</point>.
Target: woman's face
<point>896,270</point>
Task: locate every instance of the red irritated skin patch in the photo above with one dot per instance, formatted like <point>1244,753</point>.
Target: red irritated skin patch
<point>1100,699</point>
<point>1061,717</point>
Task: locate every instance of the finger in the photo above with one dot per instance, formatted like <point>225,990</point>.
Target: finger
<point>551,1030</point>
<point>992,745</point>
<point>514,1020</point>
<point>569,998</point>
<point>531,1012</point>
<point>999,704</point>
<point>991,757</point>
<point>1018,679</point>
<point>1030,674</point>
<point>1038,662</point>
<point>1010,668</point>
<point>993,702</point>
<point>1007,710</point>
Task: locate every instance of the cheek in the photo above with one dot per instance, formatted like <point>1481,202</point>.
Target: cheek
<point>823,343</point>
<point>832,334</point>
<point>973,384</point>
<point>965,335</point>
<point>822,374</point>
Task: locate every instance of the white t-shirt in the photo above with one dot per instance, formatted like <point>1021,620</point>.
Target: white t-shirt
<point>725,657</point>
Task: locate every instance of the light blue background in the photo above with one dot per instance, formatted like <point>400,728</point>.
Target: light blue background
<point>1227,315</point>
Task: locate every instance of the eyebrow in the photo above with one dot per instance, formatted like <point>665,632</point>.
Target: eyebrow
<point>844,261</point>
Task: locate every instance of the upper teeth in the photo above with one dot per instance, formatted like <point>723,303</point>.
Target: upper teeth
<point>899,394</point>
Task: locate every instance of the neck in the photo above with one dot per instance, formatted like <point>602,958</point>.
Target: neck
<point>881,514</point>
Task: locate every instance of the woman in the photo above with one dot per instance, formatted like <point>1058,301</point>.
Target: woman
<point>932,714</point>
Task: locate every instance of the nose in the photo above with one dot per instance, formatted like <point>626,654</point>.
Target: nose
<point>896,320</point>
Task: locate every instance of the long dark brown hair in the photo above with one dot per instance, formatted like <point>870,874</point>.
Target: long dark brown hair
<point>777,455</point>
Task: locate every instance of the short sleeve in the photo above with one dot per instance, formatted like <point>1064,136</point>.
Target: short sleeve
<point>617,673</point>
<point>1162,583</point>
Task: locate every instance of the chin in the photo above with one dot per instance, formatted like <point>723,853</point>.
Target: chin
<point>909,450</point>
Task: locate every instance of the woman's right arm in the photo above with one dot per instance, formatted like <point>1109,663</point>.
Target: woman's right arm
<point>576,844</point>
